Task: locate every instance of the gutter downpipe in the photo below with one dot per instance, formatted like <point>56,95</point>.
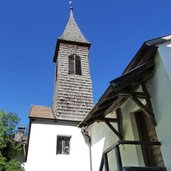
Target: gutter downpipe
<point>85,134</point>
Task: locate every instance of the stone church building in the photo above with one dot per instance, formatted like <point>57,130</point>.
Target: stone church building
<point>129,127</point>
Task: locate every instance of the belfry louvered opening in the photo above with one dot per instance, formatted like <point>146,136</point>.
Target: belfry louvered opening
<point>74,64</point>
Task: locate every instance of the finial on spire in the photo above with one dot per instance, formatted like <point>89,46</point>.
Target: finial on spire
<point>70,3</point>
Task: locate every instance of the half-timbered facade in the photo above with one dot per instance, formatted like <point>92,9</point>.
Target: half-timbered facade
<point>130,124</point>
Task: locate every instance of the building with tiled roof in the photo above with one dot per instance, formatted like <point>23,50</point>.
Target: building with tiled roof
<point>129,127</point>
<point>55,141</point>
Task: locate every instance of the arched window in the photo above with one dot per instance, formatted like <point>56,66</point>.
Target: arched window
<point>74,62</point>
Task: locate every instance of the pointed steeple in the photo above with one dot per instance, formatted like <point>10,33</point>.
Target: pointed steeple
<point>72,32</point>
<point>73,98</point>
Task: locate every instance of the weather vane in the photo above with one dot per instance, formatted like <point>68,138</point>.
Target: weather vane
<point>70,3</point>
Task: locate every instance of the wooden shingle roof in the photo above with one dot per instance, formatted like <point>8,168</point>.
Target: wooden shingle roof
<point>41,112</point>
<point>71,35</point>
<point>72,32</point>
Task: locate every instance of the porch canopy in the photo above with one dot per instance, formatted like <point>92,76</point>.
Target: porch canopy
<point>119,90</point>
<point>135,74</point>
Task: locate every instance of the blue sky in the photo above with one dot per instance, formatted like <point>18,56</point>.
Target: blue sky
<point>28,33</point>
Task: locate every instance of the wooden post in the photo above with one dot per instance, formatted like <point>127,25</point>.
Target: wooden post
<point>106,164</point>
<point>118,158</point>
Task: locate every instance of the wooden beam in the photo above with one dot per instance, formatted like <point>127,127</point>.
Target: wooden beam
<point>106,164</point>
<point>145,89</point>
<point>113,129</point>
<point>115,105</point>
<point>102,163</point>
<point>120,126</point>
<point>107,102</point>
<point>127,94</point>
<point>139,103</point>
<point>149,104</point>
<point>142,106</point>
<point>118,158</point>
<point>102,119</point>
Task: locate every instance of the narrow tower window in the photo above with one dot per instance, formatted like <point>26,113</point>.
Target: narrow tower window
<point>63,145</point>
<point>74,62</point>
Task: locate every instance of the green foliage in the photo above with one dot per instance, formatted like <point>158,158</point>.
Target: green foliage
<point>9,148</point>
<point>13,165</point>
<point>2,163</point>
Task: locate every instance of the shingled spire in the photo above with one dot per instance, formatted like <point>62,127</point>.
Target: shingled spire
<point>73,87</point>
<point>72,32</point>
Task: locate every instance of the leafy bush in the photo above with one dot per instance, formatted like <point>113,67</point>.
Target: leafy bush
<point>9,148</point>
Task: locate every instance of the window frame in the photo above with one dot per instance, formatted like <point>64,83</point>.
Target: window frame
<point>74,65</point>
<point>63,141</point>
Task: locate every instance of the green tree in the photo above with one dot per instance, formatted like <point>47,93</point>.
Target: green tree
<point>9,148</point>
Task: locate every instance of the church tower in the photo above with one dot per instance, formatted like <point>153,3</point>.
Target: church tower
<point>55,141</point>
<point>73,87</point>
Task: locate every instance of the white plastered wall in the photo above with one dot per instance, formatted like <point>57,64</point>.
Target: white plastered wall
<point>160,90</point>
<point>131,154</point>
<point>42,149</point>
<point>159,87</point>
<point>102,138</point>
